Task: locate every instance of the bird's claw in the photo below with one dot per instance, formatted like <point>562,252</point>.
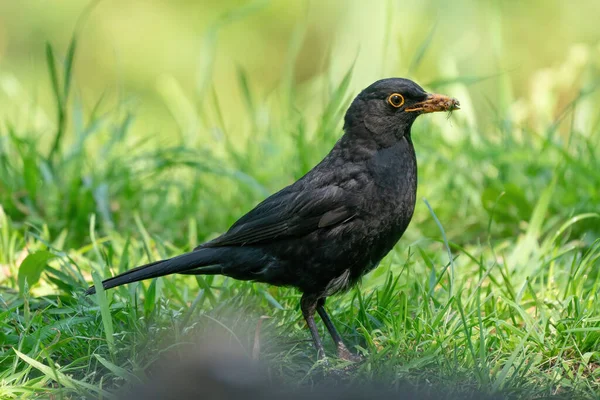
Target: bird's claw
<point>347,355</point>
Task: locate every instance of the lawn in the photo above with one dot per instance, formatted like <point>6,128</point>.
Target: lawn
<point>494,288</point>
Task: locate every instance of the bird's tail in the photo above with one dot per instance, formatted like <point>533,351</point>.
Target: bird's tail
<point>199,261</point>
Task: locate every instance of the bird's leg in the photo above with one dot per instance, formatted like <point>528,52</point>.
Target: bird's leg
<point>342,350</point>
<point>308,305</point>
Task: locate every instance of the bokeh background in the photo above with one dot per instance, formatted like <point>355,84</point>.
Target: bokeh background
<point>183,115</point>
<point>253,80</point>
<point>156,51</point>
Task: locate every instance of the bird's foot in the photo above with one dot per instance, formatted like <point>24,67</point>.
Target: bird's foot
<point>324,362</point>
<point>346,354</point>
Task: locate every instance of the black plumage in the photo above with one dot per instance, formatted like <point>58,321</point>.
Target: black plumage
<point>336,223</point>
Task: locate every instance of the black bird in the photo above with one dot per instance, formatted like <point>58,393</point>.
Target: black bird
<point>333,225</point>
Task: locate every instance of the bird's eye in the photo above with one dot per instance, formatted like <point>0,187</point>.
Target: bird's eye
<point>396,100</point>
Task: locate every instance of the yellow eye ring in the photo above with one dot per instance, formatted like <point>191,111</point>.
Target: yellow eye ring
<point>396,100</point>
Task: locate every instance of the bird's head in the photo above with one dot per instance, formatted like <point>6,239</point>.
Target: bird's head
<point>387,109</point>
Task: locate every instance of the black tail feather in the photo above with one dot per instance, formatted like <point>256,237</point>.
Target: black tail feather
<point>180,264</point>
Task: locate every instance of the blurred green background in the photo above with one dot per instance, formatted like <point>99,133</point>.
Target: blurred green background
<point>169,97</point>
<point>182,115</point>
<point>161,54</point>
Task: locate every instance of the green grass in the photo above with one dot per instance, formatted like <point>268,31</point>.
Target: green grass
<point>495,286</point>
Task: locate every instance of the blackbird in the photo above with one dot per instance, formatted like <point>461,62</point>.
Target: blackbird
<point>325,231</point>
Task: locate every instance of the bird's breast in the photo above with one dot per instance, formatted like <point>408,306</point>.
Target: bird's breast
<point>394,175</point>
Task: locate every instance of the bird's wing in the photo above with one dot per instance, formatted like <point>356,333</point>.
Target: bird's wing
<point>290,213</point>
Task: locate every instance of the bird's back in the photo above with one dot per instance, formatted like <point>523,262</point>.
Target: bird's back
<point>382,191</point>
